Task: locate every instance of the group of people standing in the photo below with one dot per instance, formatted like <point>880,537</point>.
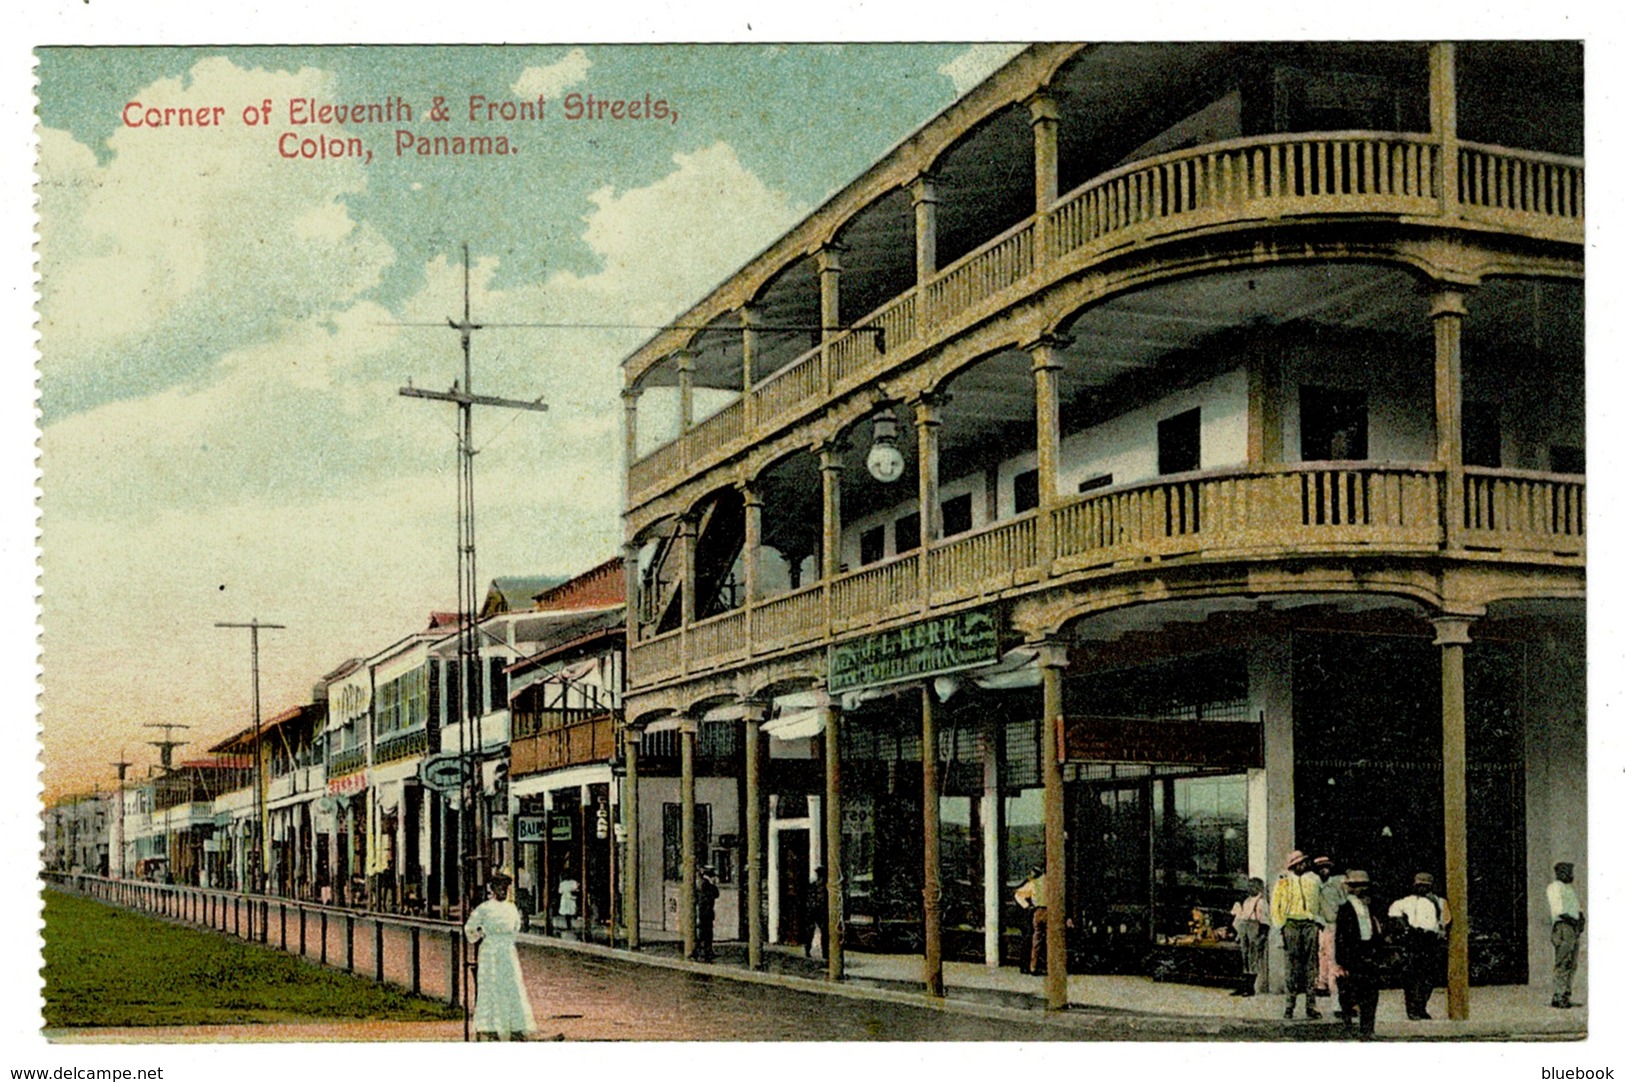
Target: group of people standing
<point>1336,943</point>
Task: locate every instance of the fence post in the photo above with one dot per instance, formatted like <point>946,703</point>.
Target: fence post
<point>349,943</point>
<point>378,949</point>
<point>324,937</point>
<point>453,952</point>
<point>417,961</point>
<point>301,931</point>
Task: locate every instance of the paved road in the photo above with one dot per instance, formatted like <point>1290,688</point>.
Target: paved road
<point>584,997</point>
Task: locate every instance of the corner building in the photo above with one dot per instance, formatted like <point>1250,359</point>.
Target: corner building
<point>1187,466</point>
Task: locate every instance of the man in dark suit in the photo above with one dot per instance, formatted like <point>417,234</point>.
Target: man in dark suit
<point>1355,955</point>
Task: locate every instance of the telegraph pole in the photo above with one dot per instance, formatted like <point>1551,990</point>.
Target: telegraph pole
<point>256,878</point>
<point>474,834</point>
<point>166,748</point>
<point>117,862</point>
<point>468,600</point>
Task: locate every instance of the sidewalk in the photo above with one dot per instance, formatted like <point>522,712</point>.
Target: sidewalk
<point>1119,1005</point>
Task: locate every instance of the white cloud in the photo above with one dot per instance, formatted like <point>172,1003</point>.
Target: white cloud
<point>977,63</point>
<point>554,79</point>
<point>189,240</point>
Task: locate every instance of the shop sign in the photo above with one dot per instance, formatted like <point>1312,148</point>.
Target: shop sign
<point>348,785</point>
<point>444,773</point>
<point>1168,741</point>
<point>561,830</point>
<point>527,829</point>
<point>943,644</point>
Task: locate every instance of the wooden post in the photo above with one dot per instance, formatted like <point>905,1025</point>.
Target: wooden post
<point>378,949</point>
<point>829,289</point>
<point>926,422</point>
<point>1047,366</point>
<point>629,816</point>
<point>1451,641</point>
<point>923,194</point>
<point>1052,663</point>
<point>1046,119</point>
<point>1448,312</point>
<point>685,901</point>
<point>417,960</point>
<point>1442,119</point>
<point>754,827</point>
<point>930,802</point>
<point>835,874</point>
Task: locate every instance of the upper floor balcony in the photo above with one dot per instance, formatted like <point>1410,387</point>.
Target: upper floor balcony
<point>1071,159</point>
<point>552,739</point>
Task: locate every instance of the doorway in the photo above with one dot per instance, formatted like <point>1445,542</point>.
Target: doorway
<point>795,851</point>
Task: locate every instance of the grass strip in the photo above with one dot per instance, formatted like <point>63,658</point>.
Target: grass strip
<point>106,966</point>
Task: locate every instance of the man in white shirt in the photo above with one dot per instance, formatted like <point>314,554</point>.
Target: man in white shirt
<point>1568,921</point>
<point>1424,922</point>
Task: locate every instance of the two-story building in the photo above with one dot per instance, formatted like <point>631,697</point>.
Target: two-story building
<point>1190,468</point>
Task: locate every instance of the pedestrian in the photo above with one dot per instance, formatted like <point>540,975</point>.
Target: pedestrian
<point>1359,941</point>
<point>1423,923</point>
<point>1295,909</point>
<point>1031,895</point>
<point>1250,917</point>
<point>705,903</point>
<point>500,1002</point>
<point>1568,921</point>
<point>817,913</point>
<point>1332,897</point>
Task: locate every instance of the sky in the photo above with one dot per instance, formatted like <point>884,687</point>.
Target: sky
<point>224,331</point>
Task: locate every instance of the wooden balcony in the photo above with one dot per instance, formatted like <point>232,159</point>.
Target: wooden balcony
<point>1320,509</point>
<point>1269,179</point>
<point>578,743</point>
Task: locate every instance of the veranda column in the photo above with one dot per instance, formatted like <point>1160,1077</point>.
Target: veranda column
<point>1047,365</point>
<point>753,542</point>
<point>927,419</point>
<point>829,290</point>
<point>1046,119</point>
<point>630,553</point>
<point>685,390</point>
<point>835,871</point>
<point>923,194</point>
<point>992,839</point>
<point>685,899</point>
<point>1451,641</point>
<point>1442,120</point>
<point>931,804</point>
<point>1448,311</point>
<point>830,464</point>
<point>750,345</point>
<point>755,826</point>
<point>688,537</point>
<point>1052,663</point>
<point>629,404</point>
<point>629,818</point>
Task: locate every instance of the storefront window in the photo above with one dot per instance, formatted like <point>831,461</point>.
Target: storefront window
<point>1023,835</point>
<point>1201,851</point>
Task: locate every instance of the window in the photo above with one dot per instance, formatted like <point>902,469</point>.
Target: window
<point>1481,435</point>
<point>908,533</point>
<point>1026,490</point>
<point>1099,480</point>
<point>872,546</point>
<point>1332,424</point>
<point>671,838</point>
<point>1565,459</point>
<point>956,517</point>
<point>1179,443</point>
<point>499,683</point>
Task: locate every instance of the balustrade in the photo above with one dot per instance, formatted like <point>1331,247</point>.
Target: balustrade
<point>990,559</point>
<point>718,639</point>
<point>789,619</point>
<point>873,593</point>
<point>1515,509</point>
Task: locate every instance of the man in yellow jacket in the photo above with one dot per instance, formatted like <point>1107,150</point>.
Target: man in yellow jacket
<point>1295,909</point>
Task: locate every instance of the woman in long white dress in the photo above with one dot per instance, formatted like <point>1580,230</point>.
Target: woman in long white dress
<point>501,1004</point>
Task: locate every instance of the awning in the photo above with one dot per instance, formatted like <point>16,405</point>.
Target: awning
<point>797,726</point>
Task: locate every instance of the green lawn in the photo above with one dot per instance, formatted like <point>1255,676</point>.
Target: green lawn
<point>106,966</point>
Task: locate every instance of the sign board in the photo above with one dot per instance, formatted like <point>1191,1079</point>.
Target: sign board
<point>1234,744</point>
<point>562,829</point>
<point>528,829</point>
<point>942,644</point>
<point>444,773</point>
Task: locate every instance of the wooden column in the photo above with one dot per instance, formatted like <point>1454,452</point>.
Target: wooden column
<point>931,805</point>
<point>830,464</point>
<point>1448,312</point>
<point>1452,640</point>
<point>629,818</point>
<point>688,537</point>
<point>923,194</point>
<point>629,405</point>
<point>1442,120</point>
<point>829,289</point>
<point>1052,662</point>
<point>685,390</point>
<point>750,345</point>
<point>835,872</point>
<point>992,839</point>
<point>755,833</point>
<point>927,419</point>
<point>753,542</point>
<point>630,554</point>
<point>1263,405</point>
<point>1047,365</point>
<point>685,901</point>
<point>1046,120</point>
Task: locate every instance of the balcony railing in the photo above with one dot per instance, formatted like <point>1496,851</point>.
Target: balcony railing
<point>576,744</point>
<point>1313,508</point>
<point>1227,183</point>
<point>1517,510</point>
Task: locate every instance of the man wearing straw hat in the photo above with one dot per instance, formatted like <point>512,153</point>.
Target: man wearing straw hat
<point>1295,909</point>
<point>1425,918</point>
